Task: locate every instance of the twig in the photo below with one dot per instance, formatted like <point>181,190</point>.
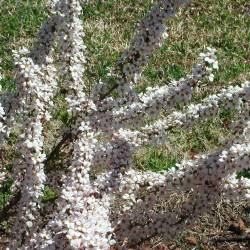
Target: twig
<point>240,238</point>
<point>67,137</point>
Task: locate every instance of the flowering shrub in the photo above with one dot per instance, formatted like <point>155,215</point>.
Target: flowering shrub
<point>117,205</point>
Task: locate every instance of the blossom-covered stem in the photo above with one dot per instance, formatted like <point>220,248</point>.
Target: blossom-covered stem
<point>73,54</point>
<point>41,55</point>
<point>157,132</point>
<point>231,97</point>
<point>149,36</point>
<point>46,39</point>
<point>39,85</point>
<point>134,181</point>
<point>155,99</point>
<point>29,175</point>
<point>71,33</point>
<point>83,214</point>
<point>203,176</point>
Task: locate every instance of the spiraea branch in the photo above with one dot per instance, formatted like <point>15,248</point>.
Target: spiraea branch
<point>116,206</point>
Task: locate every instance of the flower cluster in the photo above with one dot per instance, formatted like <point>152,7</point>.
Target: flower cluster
<point>102,200</point>
<point>37,85</point>
<point>210,58</point>
<point>70,35</point>
<point>2,118</point>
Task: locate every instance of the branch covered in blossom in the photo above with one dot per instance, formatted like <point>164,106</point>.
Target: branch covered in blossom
<point>150,35</point>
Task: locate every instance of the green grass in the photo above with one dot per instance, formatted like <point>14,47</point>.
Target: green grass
<point>5,192</point>
<point>19,23</point>
<point>155,159</point>
<point>109,26</point>
<point>49,195</point>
